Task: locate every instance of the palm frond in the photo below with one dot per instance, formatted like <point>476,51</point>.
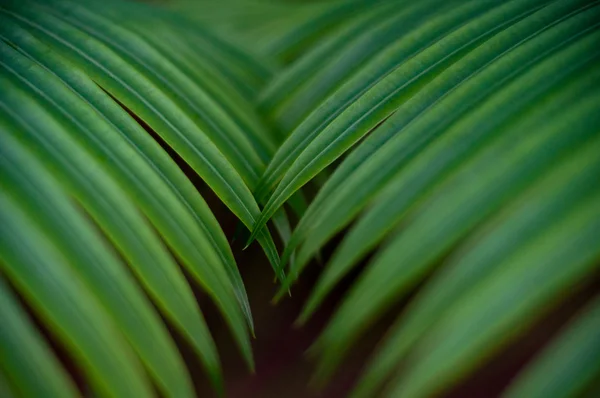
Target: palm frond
<point>382,86</point>
<point>394,166</point>
<point>113,168</point>
<point>456,141</point>
<point>421,118</point>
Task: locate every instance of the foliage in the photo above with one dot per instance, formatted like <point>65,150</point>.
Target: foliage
<point>460,138</point>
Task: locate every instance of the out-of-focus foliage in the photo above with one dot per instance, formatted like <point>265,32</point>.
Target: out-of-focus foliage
<point>457,140</point>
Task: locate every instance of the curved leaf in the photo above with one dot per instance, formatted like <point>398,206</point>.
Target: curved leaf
<point>298,89</point>
<point>425,116</point>
<point>131,132</point>
<point>189,96</point>
<point>92,132</point>
<point>517,294</point>
<point>476,127</point>
<point>121,221</point>
<point>237,65</point>
<point>99,267</point>
<point>366,79</point>
<point>568,364</point>
<point>25,356</point>
<point>53,286</point>
<point>140,94</point>
<point>543,205</point>
<point>457,140</point>
<point>314,149</point>
<point>504,168</point>
<point>288,80</point>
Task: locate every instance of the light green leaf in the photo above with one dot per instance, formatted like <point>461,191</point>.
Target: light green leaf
<point>25,356</point>
<point>140,93</point>
<point>88,129</point>
<point>52,284</point>
<point>101,269</point>
<point>160,162</point>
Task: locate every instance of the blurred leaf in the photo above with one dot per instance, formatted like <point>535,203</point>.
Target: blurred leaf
<point>568,364</point>
<point>542,205</point>
<point>475,172</point>
<point>25,355</point>
<point>515,295</point>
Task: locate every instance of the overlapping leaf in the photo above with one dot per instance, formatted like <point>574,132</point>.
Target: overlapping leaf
<point>111,166</point>
<point>81,300</point>
<point>428,227</point>
<point>425,117</point>
<point>377,91</point>
<point>476,160</point>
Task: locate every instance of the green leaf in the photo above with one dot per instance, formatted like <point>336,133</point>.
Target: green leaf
<point>137,89</point>
<point>101,269</point>
<point>309,150</point>
<point>365,80</point>
<point>461,87</point>
<point>48,279</point>
<point>140,141</point>
<point>521,290</point>
<point>6,390</point>
<point>327,63</point>
<point>448,141</point>
<point>129,232</point>
<point>237,65</point>
<point>238,109</point>
<point>476,161</point>
<point>88,129</point>
<point>542,206</point>
<point>570,362</point>
<point>25,356</point>
<point>287,46</point>
<point>503,169</point>
<point>189,96</point>
<point>349,52</point>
